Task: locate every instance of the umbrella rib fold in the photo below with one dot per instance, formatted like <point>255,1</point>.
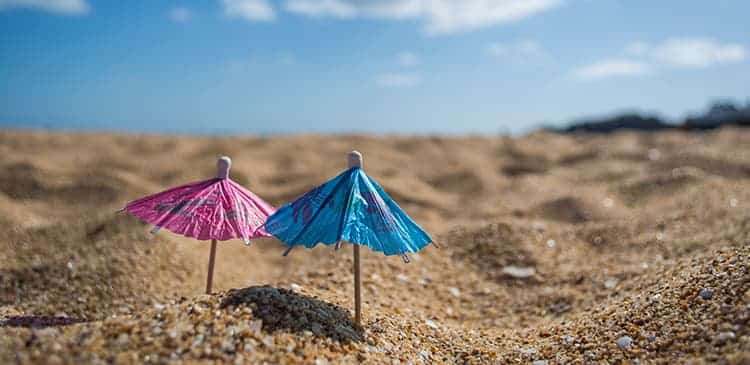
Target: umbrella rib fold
<point>169,216</point>
<point>315,215</point>
<point>344,216</point>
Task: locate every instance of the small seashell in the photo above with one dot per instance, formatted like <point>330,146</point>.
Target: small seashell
<point>723,337</point>
<point>431,324</point>
<point>518,272</point>
<point>624,342</point>
<point>706,293</point>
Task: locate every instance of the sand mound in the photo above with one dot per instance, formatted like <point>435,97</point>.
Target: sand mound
<point>568,210</point>
<point>607,236</point>
<point>215,148</point>
<point>26,181</point>
<point>520,162</point>
<point>525,167</point>
<point>22,181</point>
<point>460,182</point>
<point>661,184</point>
<point>15,215</point>
<point>417,195</point>
<point>715,165</point>
<point>114,264</point>
<point>578,157</point>
<point>496,250</point>
<point>285,310</point>
<point>695,309</point>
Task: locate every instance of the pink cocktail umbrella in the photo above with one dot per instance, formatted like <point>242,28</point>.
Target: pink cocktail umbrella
<point>214,209</point>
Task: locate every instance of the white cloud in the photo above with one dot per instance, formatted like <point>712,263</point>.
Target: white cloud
<point>610,68</point>
<point>398,80</point>
<point>637,48</point>
<point>252,10</point>
<point>522,51</point>
<point>322,8</point>
<point>673,52</point>
<point>408,59</point>
<point>65,7</point>
<point>698,52</point>
<point>401,79</point>
<point>689,52</point>
<point>180,14</point>
<point>524,46</point>
<point>447,16</point>
<point>439,16</point>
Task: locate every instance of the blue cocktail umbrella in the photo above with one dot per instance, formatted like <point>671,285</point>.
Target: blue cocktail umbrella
<point>350,207</point>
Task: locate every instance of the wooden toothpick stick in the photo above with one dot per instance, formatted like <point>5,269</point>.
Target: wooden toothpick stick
<point>354,159</point>
<point>222,172</point>
<point>211,258</point>
<point>357,286</point>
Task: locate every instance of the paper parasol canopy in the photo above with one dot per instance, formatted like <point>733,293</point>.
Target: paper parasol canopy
<point>217,209</point>
<point>350,207</point>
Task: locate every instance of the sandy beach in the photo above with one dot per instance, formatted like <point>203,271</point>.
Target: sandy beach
<point>629,248</point>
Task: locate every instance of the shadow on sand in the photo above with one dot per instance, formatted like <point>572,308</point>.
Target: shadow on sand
<point>285,310</point>
<point>38,321</point>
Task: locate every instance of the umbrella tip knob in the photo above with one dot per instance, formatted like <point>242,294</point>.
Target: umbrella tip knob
<point>222,167</point>
<point>354,159</point>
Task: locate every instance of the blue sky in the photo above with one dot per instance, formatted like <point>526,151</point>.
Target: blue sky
<point>403,66</point>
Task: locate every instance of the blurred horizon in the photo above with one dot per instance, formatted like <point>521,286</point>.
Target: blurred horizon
<point>276,67</point>
<point>710,117</point>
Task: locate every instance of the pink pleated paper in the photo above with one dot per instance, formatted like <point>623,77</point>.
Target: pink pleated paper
<point>217,209</point>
